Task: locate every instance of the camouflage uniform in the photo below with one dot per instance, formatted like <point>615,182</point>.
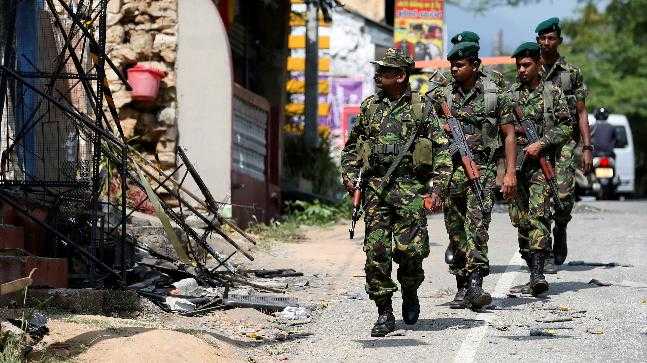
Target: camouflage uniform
<point>396,224</point>
<point>466,224</point>
<point>569,78</point>
<point>530,212</point>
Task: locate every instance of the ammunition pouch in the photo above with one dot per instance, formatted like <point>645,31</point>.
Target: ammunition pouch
<point>386,149</point>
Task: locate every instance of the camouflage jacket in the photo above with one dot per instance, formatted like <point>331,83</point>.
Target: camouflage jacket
<point>481,111</point>
<point>546,106</point>
<point>569,78</point>
<point>384,126</point>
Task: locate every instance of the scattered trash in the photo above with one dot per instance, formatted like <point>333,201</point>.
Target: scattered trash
<point>500,327</point>
<point>595,331</point>
<point>293,313</point>
<point>556,320</point>
<point>180,305</point>
<point>542,333</point>
<point>599,283</point>
<point>397,333</point>
<point>186,287</point>
<point>598,264</point>
<point>268,274</point>
<point>301,284</point>
<point>356,296</point>
<point>261,302</point>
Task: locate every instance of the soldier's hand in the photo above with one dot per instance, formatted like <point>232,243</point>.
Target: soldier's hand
<point>533,149</point>
<point>587,161</point>
<point>509,186</point>
<point>432,203</point>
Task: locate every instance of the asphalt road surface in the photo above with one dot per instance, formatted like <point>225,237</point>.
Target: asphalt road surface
<point>575,321</point>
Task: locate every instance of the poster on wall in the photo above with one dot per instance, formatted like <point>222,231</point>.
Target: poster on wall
<point>418,28</point>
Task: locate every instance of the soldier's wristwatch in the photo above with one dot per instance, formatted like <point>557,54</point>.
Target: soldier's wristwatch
<point>587,147</point>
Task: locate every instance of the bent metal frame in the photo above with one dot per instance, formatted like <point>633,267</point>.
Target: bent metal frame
<point>63,149</point>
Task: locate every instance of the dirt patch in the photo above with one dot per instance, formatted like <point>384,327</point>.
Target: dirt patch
<point>100,339</point>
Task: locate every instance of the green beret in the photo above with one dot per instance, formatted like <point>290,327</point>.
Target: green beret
<point>547,26</point>
<point>463,50</point>
<point>396,58</point>
<point>527,48</point>
<point>466,36</point>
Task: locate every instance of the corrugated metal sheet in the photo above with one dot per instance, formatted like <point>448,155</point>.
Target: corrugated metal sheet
<point>249,139</point>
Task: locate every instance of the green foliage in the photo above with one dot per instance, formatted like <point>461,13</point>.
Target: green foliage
<point>317,213</point>
<point>300,213</point>
<point>313,164</point>
<point>11,349</point>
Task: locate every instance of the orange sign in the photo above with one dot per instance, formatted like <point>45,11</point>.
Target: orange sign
<point>418,28</point>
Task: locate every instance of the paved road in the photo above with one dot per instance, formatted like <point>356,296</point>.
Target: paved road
<point>601,323</point>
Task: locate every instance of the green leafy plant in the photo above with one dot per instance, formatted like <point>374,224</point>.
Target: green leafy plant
<point>300,213</point>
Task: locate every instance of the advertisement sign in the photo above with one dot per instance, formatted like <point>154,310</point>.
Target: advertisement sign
<point>418,28</point>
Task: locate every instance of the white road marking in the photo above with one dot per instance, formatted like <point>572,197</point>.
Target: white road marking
<point>475,335</point>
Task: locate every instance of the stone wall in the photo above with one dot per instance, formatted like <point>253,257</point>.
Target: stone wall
<point>145,32</point>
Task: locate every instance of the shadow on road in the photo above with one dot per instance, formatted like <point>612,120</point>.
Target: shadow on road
<point>560,287</point>
<point>524,338</point>
<point>441,324</point>
<point>499,269</point>
<point>389,343</point>
<point>587,266</point>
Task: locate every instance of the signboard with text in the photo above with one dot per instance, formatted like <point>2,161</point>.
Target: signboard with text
<point>418,28</point>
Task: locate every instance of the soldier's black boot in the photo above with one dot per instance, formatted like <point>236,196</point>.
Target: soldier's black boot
<point>560,245</point>
<point>549,265</point>
<point>385,321</point>
<point>476,297</point>
<point>410,306</point>
<point>459,299</point>
<point>538,283</point>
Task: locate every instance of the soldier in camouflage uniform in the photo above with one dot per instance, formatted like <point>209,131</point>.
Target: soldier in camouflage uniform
<point>443,78</point>
<point>568,77</point>
<point>530,213</point>
<point>391,123</point>
<point>483,110</point>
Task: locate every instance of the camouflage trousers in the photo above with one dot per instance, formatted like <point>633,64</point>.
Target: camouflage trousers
<point>530,212</point>
<point>467,225</point>
<point>565,168</point>
<point>396,230</point>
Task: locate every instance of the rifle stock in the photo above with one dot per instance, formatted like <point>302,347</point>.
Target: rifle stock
<point>470,167</point>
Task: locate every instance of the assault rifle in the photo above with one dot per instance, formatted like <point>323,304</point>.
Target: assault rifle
<point>530,131</point>
<point>357,204</point>
<point>460,146</point>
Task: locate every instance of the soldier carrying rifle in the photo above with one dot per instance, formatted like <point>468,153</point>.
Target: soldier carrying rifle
<point>401,150</point>
<point>542,105</point>
<point>479,115</point>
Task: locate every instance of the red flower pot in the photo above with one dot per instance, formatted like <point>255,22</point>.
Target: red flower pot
<point>145,82</point>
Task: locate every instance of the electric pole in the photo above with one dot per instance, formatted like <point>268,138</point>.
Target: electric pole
<point>311,74</point>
